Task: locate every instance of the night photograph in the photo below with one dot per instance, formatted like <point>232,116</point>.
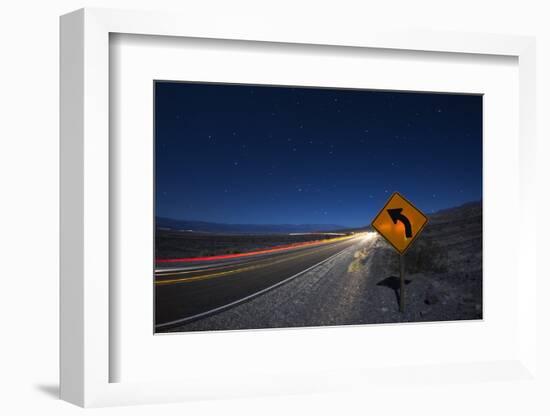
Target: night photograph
<point>282,206</point>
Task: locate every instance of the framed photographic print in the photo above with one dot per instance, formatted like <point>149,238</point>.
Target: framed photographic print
<point>322,200</point>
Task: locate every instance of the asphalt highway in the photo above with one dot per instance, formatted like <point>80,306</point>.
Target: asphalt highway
<point>185,295</point>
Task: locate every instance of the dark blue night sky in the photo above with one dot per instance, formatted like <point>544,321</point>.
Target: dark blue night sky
<point>282,155</point>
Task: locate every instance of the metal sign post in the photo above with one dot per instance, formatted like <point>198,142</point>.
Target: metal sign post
<point>400,222</point>
<point>401,283</point>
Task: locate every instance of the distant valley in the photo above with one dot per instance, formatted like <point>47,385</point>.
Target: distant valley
<point>164,223</point>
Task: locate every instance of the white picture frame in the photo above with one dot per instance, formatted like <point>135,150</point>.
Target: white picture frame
<point>85,210</point>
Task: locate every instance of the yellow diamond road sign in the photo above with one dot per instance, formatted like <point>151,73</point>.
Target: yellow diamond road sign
<point>399,222</point>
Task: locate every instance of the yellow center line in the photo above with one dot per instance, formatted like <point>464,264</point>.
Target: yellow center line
<point>210,276</point>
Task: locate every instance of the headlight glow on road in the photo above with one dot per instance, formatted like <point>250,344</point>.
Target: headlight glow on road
<point>369,236</point>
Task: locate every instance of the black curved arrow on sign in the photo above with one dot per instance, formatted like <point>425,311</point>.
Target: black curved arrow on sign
<point>396,215</point>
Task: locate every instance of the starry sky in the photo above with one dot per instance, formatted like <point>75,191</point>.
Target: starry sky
<point>290,155</point>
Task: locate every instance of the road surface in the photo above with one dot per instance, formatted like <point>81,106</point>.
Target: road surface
<point>193,292</point>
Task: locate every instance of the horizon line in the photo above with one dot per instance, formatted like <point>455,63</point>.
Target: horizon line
<point>302,223</point>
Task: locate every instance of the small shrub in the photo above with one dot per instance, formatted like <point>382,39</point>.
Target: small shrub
<point>426,256</point>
